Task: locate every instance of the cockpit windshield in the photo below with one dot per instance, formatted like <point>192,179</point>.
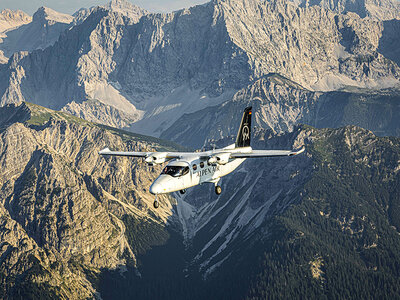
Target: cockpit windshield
<point>175,171</point>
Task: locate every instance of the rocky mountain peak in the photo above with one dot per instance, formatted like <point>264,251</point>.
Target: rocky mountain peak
<point>44,14</point>
<point>126,8</point>
<point>13,18</point>
<point>120,4</point>
<point>14,15</point>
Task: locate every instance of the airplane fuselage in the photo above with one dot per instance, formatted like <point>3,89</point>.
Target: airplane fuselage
<point>187,169</point>
<point>199,171</point>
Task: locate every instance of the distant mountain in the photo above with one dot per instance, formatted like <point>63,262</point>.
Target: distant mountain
<point>123,7</point>
<point>41,32</point>
<point>13,18</point>
<point>126,8</point>
<point>379,9</point>
<point>10,19</point>
<point>161,66</point>
<point>20,32</point>
<point>279,104</point>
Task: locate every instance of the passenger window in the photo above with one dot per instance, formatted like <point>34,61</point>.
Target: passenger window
<point>201,165</point>
<point>194,167</point>
<point>185,171</point>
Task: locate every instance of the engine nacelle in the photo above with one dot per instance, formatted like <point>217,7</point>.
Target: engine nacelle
<point>212,160</point>
<point>221,159</point>
<point>156,158</point>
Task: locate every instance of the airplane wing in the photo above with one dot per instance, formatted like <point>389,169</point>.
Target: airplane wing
<point>107,151</point>
<point>167,155</point>
<point>266,153</point>
<point>160,157</point>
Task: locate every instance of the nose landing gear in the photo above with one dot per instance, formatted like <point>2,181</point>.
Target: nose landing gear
<point>156,204</point>
<point>218,190</point>
<point>182,191</point>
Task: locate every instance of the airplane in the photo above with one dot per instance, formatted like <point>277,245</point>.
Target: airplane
<point>188,169</point>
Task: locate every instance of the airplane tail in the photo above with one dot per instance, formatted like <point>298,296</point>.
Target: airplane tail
<point>244,133</point>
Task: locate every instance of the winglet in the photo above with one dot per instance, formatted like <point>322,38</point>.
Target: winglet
<point>105,151</point>
<point>297,152</point>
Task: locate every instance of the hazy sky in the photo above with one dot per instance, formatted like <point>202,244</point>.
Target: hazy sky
<point>70,6</point>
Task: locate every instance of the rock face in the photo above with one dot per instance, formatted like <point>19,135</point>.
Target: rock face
<point>69,217</point>
<point>378,9</point>
<point>60,210</point>
<point>161,66</point>
<point>96,111</point>
<point>279,104</point>
<point>123,7</point>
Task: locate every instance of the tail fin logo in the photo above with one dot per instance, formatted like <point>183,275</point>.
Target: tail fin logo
<point>245,133</point>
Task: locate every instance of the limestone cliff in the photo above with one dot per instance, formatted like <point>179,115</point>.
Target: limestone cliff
<point>161,66</point>
<point>279,104</point>
<point>62,205</point>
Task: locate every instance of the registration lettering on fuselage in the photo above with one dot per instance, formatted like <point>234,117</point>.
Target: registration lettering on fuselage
<point>207,171</point>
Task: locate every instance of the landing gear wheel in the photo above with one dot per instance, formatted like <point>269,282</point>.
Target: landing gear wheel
<point>218,190</point>
<point>182,191</point>
<point>156,204</point>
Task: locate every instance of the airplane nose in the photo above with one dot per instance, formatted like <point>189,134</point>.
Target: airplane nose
<point>155,188</point>
<point>159,185</point>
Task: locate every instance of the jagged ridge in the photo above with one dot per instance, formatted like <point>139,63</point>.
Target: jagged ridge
<point>179,62</point>
<point>64,208</point>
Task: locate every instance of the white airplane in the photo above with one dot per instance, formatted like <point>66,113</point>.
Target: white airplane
<point>187,169</point>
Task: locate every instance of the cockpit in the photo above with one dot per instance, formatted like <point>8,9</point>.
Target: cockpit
<point>175,171</point>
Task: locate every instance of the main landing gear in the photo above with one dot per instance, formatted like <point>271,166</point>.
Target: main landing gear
<point>218,189</point>
<point>156,204</point>
<point>182,191</point>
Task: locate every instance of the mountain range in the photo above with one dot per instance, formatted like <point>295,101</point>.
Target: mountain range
<point>75,225</point>
<point>146,70</point>
<point>321,225</point>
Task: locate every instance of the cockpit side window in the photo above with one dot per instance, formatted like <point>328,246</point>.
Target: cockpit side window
<point>185,171</point>
<point>175,171</point>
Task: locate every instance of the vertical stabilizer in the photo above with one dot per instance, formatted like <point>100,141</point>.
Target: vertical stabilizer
<point>244,133</point>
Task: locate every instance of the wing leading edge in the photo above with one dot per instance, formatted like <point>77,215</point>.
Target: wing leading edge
<point>167,155</point>
<point>171,155</point>
<point>267,153</point>
<point>107,151</point>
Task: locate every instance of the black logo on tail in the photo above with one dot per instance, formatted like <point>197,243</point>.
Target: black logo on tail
<point>244,133</point>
